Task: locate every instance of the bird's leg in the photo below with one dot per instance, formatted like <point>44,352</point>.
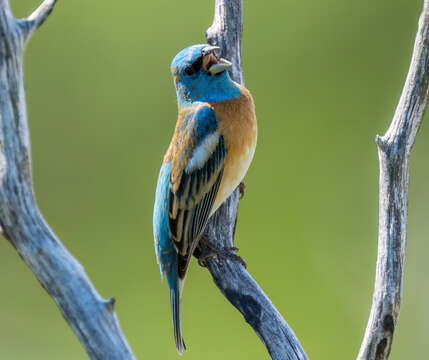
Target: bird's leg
<point>241,188</point>
<point>212,251</point>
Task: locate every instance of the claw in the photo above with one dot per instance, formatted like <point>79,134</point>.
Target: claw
<point>218,254</point>
<point>202,261</point>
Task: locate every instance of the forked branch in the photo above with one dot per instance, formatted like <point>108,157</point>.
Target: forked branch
<point>91,317</point>
<point>394,153</point>
<point>231,277</point>
<point>36,19</point>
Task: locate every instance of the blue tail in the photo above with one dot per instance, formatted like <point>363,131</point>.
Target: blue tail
<point>166,252</point>
<point>175,285</point>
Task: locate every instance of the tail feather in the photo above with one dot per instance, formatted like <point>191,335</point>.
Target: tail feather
<point>176,311</point>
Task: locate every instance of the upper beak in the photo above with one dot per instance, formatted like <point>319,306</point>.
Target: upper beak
<point>209,49</point>
<point>211,63</point>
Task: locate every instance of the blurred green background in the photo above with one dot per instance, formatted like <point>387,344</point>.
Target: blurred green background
<point>326,77</point>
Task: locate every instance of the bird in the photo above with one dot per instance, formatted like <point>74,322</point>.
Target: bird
<point>209,154</point>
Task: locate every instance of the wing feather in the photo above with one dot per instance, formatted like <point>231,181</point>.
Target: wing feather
<point>197,177</point>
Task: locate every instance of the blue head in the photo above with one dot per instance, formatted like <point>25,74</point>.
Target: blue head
<point>200,76</point>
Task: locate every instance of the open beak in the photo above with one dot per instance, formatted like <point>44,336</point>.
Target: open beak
<point>211,63</point>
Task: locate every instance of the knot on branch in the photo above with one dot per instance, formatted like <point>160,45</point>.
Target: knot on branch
<point>110,304</point>
<point>388,323</point>
<point>394,148</point>
<point>212,34</point>
<point>381,143</point>
<point>381,347</point>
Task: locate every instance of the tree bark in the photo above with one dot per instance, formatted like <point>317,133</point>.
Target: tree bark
<point>92,318</point>
<point>394,153</point>
<point>231,277</point>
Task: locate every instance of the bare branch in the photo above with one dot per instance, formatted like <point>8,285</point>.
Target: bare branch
<point>245,294</point>
<point>36,19</point>
<point>394,151</point>
<point>91,317</point>
<point>231,277</point>
<point>226,31</point>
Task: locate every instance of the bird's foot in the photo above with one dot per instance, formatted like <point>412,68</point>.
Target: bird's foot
<point>218,254</point>
<point>241,188</point>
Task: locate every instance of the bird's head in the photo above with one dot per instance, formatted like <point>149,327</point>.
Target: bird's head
<point>199,75</point>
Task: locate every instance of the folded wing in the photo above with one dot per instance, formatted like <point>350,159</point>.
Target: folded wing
<point>198,155</point>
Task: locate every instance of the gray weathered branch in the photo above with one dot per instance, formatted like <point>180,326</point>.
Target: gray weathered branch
<point>231,277</point>
<point>36,19</point>
<point>92,318</point>
<point>394,152</point>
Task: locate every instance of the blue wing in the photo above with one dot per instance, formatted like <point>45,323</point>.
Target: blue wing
<point>187,187</point>
<point>197,167</point>
<point>188,184</point>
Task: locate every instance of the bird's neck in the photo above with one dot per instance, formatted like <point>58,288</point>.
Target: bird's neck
<point>217,90</point>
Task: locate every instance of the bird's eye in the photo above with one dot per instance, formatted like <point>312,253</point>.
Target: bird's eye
<point>189,70</point>
<point>195,67</point>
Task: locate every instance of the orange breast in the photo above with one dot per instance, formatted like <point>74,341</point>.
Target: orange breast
<point>239,127</point>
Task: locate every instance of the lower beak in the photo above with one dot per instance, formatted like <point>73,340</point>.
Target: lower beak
<point>220,66</point>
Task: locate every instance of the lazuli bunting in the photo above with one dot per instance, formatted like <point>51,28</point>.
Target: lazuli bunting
<point>209,154</point>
